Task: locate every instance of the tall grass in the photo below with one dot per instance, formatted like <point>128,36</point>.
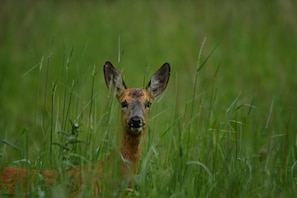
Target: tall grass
<point>223,128</point>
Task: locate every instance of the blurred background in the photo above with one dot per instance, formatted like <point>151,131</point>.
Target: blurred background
<point>249,48</point>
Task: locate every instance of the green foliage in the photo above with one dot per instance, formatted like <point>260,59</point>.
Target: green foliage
<point>224,127</point>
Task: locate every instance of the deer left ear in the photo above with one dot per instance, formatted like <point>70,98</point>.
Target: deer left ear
<point>113,79</point>
<point>159,80</point>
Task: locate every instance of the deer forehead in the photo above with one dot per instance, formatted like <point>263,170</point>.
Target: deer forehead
<point>135,94</point>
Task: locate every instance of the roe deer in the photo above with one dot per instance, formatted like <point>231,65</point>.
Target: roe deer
<point>135,104</point>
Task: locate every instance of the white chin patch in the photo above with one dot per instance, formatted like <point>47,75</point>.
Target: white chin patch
<point>136,130</point>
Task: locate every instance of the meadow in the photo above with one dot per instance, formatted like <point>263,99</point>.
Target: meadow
<point>223,128</point>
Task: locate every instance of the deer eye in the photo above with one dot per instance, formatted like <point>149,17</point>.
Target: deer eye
<point>124,104</point>
<point>147,104</point>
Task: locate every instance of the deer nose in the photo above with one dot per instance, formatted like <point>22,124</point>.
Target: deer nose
<point>135,123</point>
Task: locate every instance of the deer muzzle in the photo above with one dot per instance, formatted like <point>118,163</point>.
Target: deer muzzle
<point>136,124</point>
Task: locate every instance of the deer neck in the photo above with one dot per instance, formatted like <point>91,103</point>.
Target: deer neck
<point>130,153</point>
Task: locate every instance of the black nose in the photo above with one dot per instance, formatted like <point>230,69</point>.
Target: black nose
<point>135,122</point>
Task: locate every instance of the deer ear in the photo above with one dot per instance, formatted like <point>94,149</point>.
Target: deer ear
<point>159,80</point>
<point>113,79</point>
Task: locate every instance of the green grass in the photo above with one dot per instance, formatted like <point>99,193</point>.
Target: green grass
<point>223,130</point>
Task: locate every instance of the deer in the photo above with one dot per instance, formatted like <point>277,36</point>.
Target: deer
<point>135,106</point>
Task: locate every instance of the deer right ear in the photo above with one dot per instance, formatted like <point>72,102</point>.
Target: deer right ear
<point>113,79</point>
